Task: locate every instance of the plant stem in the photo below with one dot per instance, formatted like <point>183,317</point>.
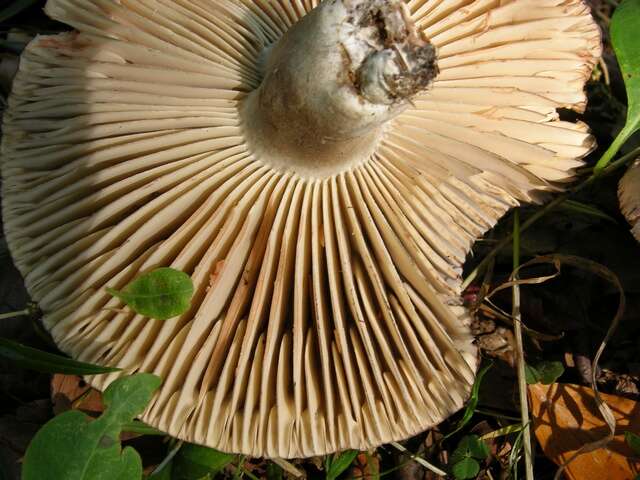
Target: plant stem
<point>517,329</point>
<point>629,129</point>
<point>516,239</point>
<point>612,167</point>
<point>239,472</point>
<point>493,413</point>
<point>19,313</point>
<point>420,460</point>
<point>243,471</point>
<point>172,453</point>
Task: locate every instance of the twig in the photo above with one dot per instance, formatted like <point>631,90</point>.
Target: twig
<point>517,330</point>
<point>420,460</point>
<point>605,71</point>
<point>288,467</point>
<point>557,260</point>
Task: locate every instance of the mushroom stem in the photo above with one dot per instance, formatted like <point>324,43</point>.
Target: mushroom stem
<point>332,82</point>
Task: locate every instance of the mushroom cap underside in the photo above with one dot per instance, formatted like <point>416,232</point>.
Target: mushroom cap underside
<point>326,314</point>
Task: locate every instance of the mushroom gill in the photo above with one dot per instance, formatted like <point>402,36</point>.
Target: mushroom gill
<point>323,200</point>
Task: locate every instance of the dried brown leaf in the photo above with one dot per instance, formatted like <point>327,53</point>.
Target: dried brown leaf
<point>566,417</point>
<point>71,391</point>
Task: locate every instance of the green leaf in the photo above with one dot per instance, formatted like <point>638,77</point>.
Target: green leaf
<point>340,462</point>
<point>531,375</point>
<point>545,372</point>
<point>470,446</point>
<point>465,469</point>
<point>72,447</point>
<point>274,471</point>
<point>633,440</point>
<point>15,8</point>
<point>141,428</point>
<point>473,401</point>
<point>549,371</point>
<point>465,457</point>
<point>194,462</point>
<point>161,294</point>
<point>41,361</point>
<point>573,206</point>
<point>624,37</point>
<point>501,432</point>
<point>516,454</point>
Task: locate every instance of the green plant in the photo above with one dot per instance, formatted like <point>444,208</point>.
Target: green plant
<point>194,462</point>
<point>623,32</point>
<point>465,458</point>
<point>72,446</point>
<point>473,401</point>
<point>161,294</point>
<point>544,372</point>
<point>274,472</point>
<point>41,361</point>
<point>336,464</point>
<point>624,37</point>
<point>633,441</point>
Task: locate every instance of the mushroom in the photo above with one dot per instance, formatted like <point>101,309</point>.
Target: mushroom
<point>629,195</point>
<point>321,170</point>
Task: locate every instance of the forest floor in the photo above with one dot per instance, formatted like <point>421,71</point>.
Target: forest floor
<point>567,317</point>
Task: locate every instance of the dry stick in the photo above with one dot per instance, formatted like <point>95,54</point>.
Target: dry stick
<point>605,410</point>
<point>517,330</point>
<point>419,460</point>
<point>621,162</point>
<point>557,260</point>
<point>288,467</point>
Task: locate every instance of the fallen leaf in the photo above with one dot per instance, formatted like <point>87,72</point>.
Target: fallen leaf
<point>71,391</point>
<point>566,417</point>
<point>366,466</point>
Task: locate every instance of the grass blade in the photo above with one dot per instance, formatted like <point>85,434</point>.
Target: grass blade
<point>340,463</point>
<point>473,401</point>
<point>41,361</point>
<point>517,331</point>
